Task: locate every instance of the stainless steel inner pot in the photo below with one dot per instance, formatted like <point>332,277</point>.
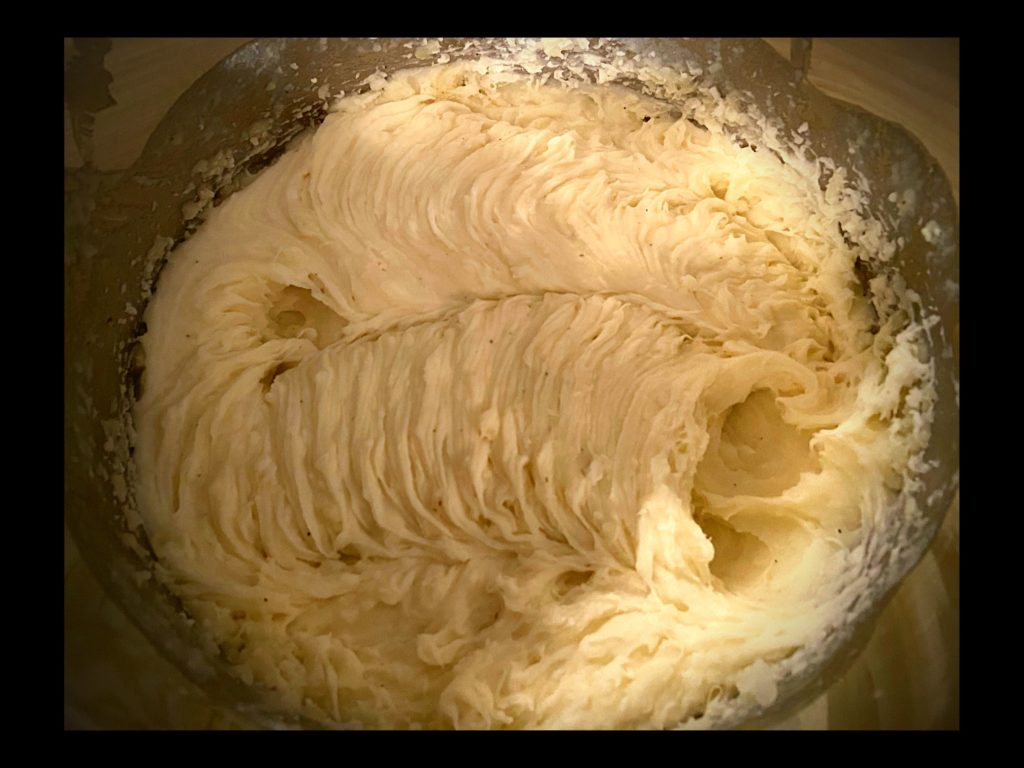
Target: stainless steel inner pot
<point>238,118</point>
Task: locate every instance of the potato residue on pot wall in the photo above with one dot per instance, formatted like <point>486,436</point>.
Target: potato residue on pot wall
<point>501,404</point>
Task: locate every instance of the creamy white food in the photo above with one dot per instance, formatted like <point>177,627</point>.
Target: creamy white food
<point>497,404</point>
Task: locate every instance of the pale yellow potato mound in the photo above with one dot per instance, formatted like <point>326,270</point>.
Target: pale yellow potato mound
<point>498,404</point>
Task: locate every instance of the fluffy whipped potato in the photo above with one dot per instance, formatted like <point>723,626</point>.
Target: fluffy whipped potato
<point>500,404</point>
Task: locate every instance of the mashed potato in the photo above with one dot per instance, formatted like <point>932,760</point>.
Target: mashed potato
<point>502,404</point>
